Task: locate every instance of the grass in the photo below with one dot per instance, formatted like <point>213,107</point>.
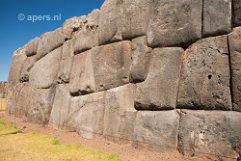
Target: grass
<point>3,104</point>
<point>38,147</point>
<point>7,129</point>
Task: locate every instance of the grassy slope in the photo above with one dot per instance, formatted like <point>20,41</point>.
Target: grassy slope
<point>38,147</point>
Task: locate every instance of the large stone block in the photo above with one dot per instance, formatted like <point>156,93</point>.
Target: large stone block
<point>159,90</point>
<point>112,65</point>
<point>32,47</point>
<point>44,73</point>
<point>18,60</point>
<point>86,114</point>
<point>42,83</point>
<point>50,41</point>
<point>40,104</point>
<point>120,113</point>
<point>174,23</point>
<point>156,130</point>
<point>82,74</point>
<point>17,104</point>
<point>87,36</point>
<point>140,59</point>
<point>71,25</point>
<point>66,63</point>
<point>210,132</point>
<point>236,12</point>
<point>123,19</point>
<point>26,68</point>
<point>60,112</point>
<point>217,15</point>
<point>235,55</point>
<point>205,76</point>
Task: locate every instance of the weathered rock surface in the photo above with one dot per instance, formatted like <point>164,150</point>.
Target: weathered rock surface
<point>86,114</point>
<point>217,17</point>
<point>87,36</point>
<point>82,74</point>
<point>66,63</point>
<point>141,54</point>
<point>17,104</point>
<point>42,87</point>
<point>119,19</point>
<point>19,58</point>
<point>61,105</point>
<point>205,76</point>
<point>45,71</point>
<point>235,55</point>
<point>111,65</point>
<point>236,12</point>
<point>50,41</point>
<point>210,132</point>
<point>40,104</point>
<point>156,129</point>
<point>159,90</point>
<point>32,47</point>
<point>120,113</point>
<point>174,23</point>
<point>73,24</point>
<point>26,68</point>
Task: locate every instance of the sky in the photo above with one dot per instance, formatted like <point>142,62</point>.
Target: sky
<point>23,20</point>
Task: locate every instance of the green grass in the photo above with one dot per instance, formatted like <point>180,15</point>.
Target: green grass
<point>38,147</point>
<point>7,129</point>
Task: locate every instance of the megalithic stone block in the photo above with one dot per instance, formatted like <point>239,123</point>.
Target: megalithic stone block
<point>159,90</point>
<point>17,104</point>
<point>236,12</point>
<point>73,24</point>
<point>66,63</point>
<point>42,83</point>
<point>112,65</point>
<point>82,78</point>
<point>86,114</point>
<point>140,57</point>
<point>217,17</point>
<point>19,58</point>
<point>44,73</point>
<point>60,112</point>
<point>156,130</point>
<point>40,104</point>
<point>32,47</point>
<point>235,55</point>
<point>174,23</point>
<point>205,76</point>
<point>87,36</point>
<point>120,113</point>
<point>49,41</point>
<point>210,132</point>
<point>26,69</point>
<point>123,19</point>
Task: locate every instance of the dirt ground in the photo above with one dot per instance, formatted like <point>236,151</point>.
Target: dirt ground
<point>125,151</point>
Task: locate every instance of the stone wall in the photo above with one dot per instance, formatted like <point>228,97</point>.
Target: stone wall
<point>162,74</point>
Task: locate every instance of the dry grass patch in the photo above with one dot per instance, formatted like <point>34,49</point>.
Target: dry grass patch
<point>38,147</point>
